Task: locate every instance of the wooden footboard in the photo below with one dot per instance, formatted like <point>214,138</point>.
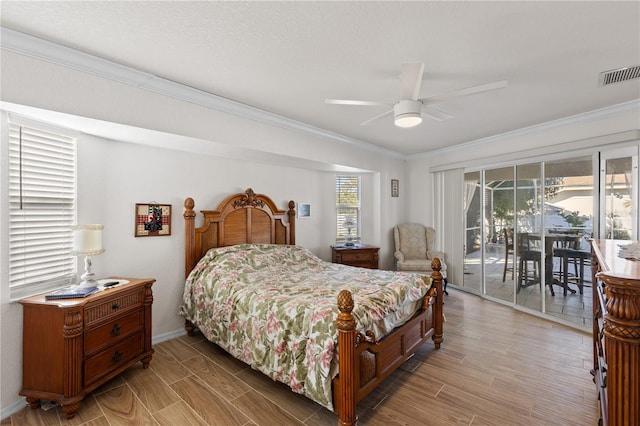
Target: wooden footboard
<point>365,363</point>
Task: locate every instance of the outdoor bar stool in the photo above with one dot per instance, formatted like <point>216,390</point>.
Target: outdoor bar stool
<point>578,258</point>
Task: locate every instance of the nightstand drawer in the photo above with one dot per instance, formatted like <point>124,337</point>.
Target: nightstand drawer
<point>355,256</point>
<point>114,306</point>
<point>360,264</point>
<point>109,333</point>
<point>360,255</point>
<point>112,358</point>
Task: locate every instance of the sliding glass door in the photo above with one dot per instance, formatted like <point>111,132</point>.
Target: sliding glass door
<point>527,230</point>
<point>619,203</point>
<point>530,279</point>
<point>499,259</point>
<point>568,224</point>
<point>472,278</point>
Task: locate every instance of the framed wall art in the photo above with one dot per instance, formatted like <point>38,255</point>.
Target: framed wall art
<point>153,220</point>
<point>395,188</point>
<point>304,210</point>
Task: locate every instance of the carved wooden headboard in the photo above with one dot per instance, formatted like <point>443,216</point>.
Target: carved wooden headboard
<point>245,217</point>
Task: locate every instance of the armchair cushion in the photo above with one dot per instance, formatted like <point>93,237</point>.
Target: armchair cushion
<point>412,241</point>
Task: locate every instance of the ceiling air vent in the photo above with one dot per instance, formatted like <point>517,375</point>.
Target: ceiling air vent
<point>621,74</point>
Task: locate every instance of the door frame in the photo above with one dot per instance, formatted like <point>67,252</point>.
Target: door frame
<point>604,155</point>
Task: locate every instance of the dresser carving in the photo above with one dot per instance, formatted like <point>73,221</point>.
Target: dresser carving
<point>616,333</point>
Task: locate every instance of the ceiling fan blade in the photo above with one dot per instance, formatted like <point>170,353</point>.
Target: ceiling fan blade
<point>353,102</point>
<point>468,91</point>
<point>436,114</point>
<point>371,120</point>
<point>411,79</point>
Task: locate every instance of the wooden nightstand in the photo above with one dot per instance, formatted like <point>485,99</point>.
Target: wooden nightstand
<point>362,255</point>
<point>72,346</point>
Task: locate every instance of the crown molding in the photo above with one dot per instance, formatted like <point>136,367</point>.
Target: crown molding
<point>538,128</point>
<point>48,51</point>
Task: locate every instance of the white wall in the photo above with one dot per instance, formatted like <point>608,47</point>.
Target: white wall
<point>216,154</point>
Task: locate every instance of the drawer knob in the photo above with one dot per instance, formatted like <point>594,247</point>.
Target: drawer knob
<point>117,356</point>
<point>116,329</point>
<point>115,306</point>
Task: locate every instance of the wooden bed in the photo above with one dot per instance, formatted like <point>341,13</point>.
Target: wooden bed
<point>363,362</point>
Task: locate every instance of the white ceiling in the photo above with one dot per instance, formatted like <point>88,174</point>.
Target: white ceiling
<point>287,57</point>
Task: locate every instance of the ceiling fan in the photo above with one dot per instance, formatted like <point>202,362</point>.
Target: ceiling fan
<point>408,111</point>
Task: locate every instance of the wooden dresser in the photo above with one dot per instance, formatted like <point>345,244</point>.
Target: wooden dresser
<point>72,346</point>
<point>362,255</point>
<point>616,333</point>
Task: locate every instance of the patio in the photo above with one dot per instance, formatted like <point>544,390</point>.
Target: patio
<point>572,309</point>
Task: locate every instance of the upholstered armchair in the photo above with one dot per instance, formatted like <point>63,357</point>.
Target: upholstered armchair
<point>414,249</point>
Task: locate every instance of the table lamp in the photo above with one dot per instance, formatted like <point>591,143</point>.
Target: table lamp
<point>349,224</point>
<point>87,242</point>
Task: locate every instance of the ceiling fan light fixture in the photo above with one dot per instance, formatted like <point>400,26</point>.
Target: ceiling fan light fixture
<point>407,113</point>
<point>408,120</point>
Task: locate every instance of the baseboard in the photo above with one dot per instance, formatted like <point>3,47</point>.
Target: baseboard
<point>168,336</point>
<point>20,403</point>
<point>16,406</point>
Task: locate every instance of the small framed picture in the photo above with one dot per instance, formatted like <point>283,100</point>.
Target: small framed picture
<point>304,210</point>
<point>395,188</point>
<point>153,220</point>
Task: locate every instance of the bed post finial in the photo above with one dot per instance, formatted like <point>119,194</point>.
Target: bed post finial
<point>189,235</point>
<point>189,204</point>
<point>345,305</point>
<point>345,404</point>
<point>292,222</point>
<point>438,317</point>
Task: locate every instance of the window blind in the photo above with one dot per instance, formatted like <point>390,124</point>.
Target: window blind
<point>42,208</point>
<point>347,204</point>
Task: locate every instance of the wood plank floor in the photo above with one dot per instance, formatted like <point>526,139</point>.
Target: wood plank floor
<point>496,366</point>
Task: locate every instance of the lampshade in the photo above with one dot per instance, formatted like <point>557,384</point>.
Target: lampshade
<point>348,222</point>
<point>407,113</point>
<point>87,240</point>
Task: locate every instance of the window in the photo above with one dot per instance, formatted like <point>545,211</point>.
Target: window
<point>347,205</point>
<point>42,208</point>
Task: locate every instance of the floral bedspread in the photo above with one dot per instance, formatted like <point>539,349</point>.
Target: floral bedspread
<point>274,307</point>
